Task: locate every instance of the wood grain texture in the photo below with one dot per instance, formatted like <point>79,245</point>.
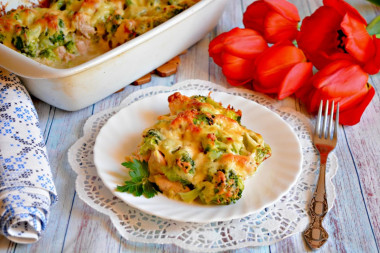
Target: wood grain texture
<point>353,223</point>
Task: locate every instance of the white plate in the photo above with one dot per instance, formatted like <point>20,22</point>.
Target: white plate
<point>121,134</point>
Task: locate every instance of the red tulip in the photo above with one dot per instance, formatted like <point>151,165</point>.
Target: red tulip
<point>340,81</point>
<point>275,20</point>
<point>235,51</point>
<point>281,69</point>
<point>337,31</point>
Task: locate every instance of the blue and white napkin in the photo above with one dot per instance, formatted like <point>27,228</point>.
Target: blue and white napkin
<point>26,186</point>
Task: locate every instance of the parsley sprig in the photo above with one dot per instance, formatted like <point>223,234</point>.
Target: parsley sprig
<point>139,183</point>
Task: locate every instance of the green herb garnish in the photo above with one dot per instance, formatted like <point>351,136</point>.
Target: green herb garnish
<point>139,183</point>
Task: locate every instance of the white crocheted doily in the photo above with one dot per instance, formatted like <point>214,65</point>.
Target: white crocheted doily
<point>286,217</point>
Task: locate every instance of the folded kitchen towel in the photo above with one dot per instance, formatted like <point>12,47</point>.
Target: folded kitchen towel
<point>26,186</point>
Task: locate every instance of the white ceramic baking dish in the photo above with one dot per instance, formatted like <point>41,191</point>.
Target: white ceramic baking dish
<point>78,87</point>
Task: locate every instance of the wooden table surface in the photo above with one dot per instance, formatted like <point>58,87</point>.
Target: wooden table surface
<point>353,223</point>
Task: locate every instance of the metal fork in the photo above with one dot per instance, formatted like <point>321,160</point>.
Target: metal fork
<point>325,141</point>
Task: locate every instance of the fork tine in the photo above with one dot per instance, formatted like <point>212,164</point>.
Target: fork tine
<point>325,120</point>
<point>330,135</point>
<point>319,120</point>
<point>336,122</point>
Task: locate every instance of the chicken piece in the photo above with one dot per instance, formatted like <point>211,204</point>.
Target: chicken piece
<point>156,162</point>
<point>169,188</point>
<point>63,54</point>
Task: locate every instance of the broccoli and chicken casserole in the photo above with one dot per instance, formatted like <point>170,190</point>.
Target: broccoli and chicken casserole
<point>70,32</point>
<point>200,151</point>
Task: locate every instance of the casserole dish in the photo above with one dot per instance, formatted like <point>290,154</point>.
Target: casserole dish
<point>74,88</point>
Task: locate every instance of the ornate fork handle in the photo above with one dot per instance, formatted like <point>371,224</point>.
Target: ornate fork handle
<point>315,235</point>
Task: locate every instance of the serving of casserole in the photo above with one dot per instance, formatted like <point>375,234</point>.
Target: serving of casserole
<point>79,52</point>
<point>198,151</point>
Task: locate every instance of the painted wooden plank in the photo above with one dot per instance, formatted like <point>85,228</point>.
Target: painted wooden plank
<point>363,140</point>
<point>231,18</point>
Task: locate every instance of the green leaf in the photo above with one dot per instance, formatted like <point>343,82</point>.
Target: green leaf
<point>374,26</point>
<point>138,169</point>
<point>149,190</point>
<point>131,187</point>
<point>377,2</point>
<point>139,183</point>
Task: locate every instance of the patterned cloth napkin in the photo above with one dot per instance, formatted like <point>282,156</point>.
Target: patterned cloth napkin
<point>26,186</point>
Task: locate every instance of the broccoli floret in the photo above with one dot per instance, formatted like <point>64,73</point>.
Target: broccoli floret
<point>262,153</point>
<point>59,4</point>
<point>70,47</point>
<point>18,43</point>
<point>47,53</point>
<point>25,47</point>
<point>151,140</point>
<point>213,147</point>
<point>233,115</point>
<point>128,2</point>
<point>2,38</point>
<point>208,119</point>
<point>223,188</point>
<point>229,112</point>
<point>24,42</point>
<point>185,162</point>
<point>57,39</point>
<point>215,154</point>
<point>189,196</point>
<point>174,176</point>
<point>208,100</point>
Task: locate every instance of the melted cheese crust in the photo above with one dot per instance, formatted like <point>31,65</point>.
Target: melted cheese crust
<point>201,147</point>
<point>70,32</point>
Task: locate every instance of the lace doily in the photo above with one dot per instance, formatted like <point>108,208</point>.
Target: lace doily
<point>286,217</point>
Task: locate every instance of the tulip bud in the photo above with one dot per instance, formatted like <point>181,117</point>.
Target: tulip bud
<point>235,51</point>
<point>340,81</point>
<point>281,69</point>
<point>275,20</point>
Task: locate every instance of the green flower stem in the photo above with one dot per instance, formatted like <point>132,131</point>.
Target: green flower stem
<point>374,26</point>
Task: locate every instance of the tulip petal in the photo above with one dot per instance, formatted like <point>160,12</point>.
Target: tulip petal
<point>304,92</point>
<point>216,47</point>
<point>276,20</point>
<point>296,77</point>
<point>246,44</point>
<point>285,9</point>
<point>275,62</point>
<point>353,115</point>
<point>340,79</point>
<point>318,35</point>
<point>359,43</point>
<point>254,16</point>
<point>373,67</point>
<point>237,68</point>
<point>342,8</point>
<point>278,28</point>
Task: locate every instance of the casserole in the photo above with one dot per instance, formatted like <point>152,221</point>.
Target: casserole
<point>74,88</point>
